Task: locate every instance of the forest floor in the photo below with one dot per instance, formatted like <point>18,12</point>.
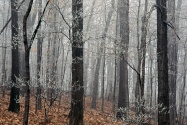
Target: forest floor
<point>58,115</point>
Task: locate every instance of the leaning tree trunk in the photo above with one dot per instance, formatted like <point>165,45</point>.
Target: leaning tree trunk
<point>162,60</point>
<point>27,46</point>
<point>27,72</point>
<point>14,104</point>
<point>76,113</point>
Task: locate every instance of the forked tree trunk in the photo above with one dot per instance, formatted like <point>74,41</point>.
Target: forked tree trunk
<point>27,72</point>
<point>27,46</point>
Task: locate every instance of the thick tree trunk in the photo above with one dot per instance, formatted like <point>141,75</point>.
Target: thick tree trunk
<point>14,104</point>
<point>123,98</point>
<point>76,113</point>
<point>54,58</point>
<point>172,62</point>
<point>162,60</point>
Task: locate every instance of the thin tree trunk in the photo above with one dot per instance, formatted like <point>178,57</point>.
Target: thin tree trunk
<point>137,88</point>
<point>182,99</point>
<point>151,78</point>
<point>39,58</point>
<point>4,52</point>
<point>27,46</point>
<point>177,20</point>
<point>96,77</point>
<point>103,83</point>
<point>142,56</point>
<point>27,73</point>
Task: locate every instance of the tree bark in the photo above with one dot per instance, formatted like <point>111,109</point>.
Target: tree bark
<point>123,98</point>
<point>76,113</point>
<point>27,72</point>
<point>162,61</point>
<point>182,99</point>
<point>27,46</point>
<point>172,61</point>
<point>14,104</point>
<point>39,58</point>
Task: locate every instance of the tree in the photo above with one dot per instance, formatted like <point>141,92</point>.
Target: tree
<point>139,94</point>
<point>27,72</point>
<point>172,61</point>
<point>27,47</point>
<point>123,98</point>
<point>39,58</point>
<point>76,113</point>
<point>4,53</point>
<point>101,51</point>
<point>14,104</point>
<point>162,62</point>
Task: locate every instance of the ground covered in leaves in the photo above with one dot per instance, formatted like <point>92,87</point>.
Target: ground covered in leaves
<point>56,115</point>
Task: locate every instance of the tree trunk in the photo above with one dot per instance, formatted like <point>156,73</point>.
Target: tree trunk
<point>14,104</point>
<point>142,55</point>
<point>182,99</point>
<point>123,98</point>
<point>76,113</point>
<point>39,58</point>
<point>27,46</point>
<point>53,71</point>
<point>162,60</point>
<point>172,62</point>
<point>103,83</point>
<point>98,63</point>
<point>27,72</point>
<point>137,86</point>
<point>27,88</point>
<point>151,78</point>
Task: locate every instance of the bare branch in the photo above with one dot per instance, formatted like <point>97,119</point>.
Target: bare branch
<point>38,25</point>
<point>10,18</point>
